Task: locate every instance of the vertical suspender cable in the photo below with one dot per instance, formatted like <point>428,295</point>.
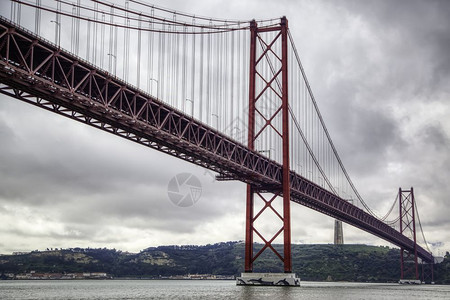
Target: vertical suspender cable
<point>57,23</point>
<point>226,100</point>
<point>88,40</point>
<point>126,44</point>
<point>37,20</point>
<point>159,61</point>
<point>138,65</point>
<point>184,66</point>
<point>115,51</point>
<point>169,57</point>
<point>202,60</point>
<point>72,30</point>
<point>111,41</point>
<point>232,98</point>
<point>150,58</point>
<point>163,64</point>
<point>77,35</point>
<point>220,79</point>
<point>19,13</point>
<point>102,41</point>
<point>239,108</point>
<point>95,40</point>
<point>176,74</point>
<point>208,80</point>
<point>193,66</point>
<point>216,79</point>
<point>13,11</point>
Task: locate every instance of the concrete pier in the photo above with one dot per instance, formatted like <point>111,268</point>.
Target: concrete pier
<point>268,279</point>
<point>409,281</point>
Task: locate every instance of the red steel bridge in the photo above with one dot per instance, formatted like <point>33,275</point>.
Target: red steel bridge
<point>230,96</point>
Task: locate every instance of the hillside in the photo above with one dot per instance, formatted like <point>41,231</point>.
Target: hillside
<point>310,262</point>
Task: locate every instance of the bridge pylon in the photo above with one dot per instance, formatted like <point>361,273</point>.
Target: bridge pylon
<point>427,272</point>
<point>409,267</point>
<point>269,89</point>
<point>338,233</point>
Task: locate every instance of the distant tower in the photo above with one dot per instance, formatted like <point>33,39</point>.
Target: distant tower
<point>338,233</point>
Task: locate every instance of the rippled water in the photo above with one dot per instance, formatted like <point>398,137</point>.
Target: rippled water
<point>191,289</point>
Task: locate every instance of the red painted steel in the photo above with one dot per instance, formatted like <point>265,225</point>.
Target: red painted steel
<point>255,37</point>
<point>286,160</point>
<point>427,272</point>
<point>37,72</point>
<point>408,259</point>
<point>248,265</point>
<point>251,137</point>
<point>400,200</point>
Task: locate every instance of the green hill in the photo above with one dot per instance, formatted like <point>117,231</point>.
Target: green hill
<point>310,262</point>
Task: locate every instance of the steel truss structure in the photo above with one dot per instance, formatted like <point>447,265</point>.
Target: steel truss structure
<point>427,272</point>
<point>38,72</point>
<point>256,37</point>
<point>408,258</point>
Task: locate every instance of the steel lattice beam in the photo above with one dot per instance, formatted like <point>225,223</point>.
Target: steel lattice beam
<point>408,257</point>
<point>281,98</point>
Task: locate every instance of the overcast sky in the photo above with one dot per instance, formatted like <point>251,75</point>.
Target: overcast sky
<point>380,71</point>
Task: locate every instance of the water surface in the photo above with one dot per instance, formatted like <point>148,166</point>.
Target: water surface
<point>209,289</point>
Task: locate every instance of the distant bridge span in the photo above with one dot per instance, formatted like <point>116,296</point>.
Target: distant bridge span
<point>38,72</point>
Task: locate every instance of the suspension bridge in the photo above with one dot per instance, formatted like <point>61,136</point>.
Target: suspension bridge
<point>227,95</point>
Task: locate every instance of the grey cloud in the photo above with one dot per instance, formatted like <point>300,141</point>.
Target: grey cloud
<point>435,136</point>
<point>369,63</point>
<point>414,36</point>
<point>98,184</point>
<point>367,133</point>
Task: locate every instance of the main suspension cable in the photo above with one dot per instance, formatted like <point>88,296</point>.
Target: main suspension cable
<point>220,26</point>
<point>390,210</point>
<point>420,225</point>
<point>326,130</point>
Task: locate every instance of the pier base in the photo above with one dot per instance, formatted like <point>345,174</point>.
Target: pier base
<point>409,281</point>
<point>268,279</point>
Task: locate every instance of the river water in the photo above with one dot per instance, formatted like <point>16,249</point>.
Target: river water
<point>209,289</point>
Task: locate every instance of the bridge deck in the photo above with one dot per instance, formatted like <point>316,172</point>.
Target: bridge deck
<point>38,72</point>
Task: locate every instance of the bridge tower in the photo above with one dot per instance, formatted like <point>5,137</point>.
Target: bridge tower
<point>338,233</point>
<point>409,268</point>
<point>428,272</point>
<point>264,47</point>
